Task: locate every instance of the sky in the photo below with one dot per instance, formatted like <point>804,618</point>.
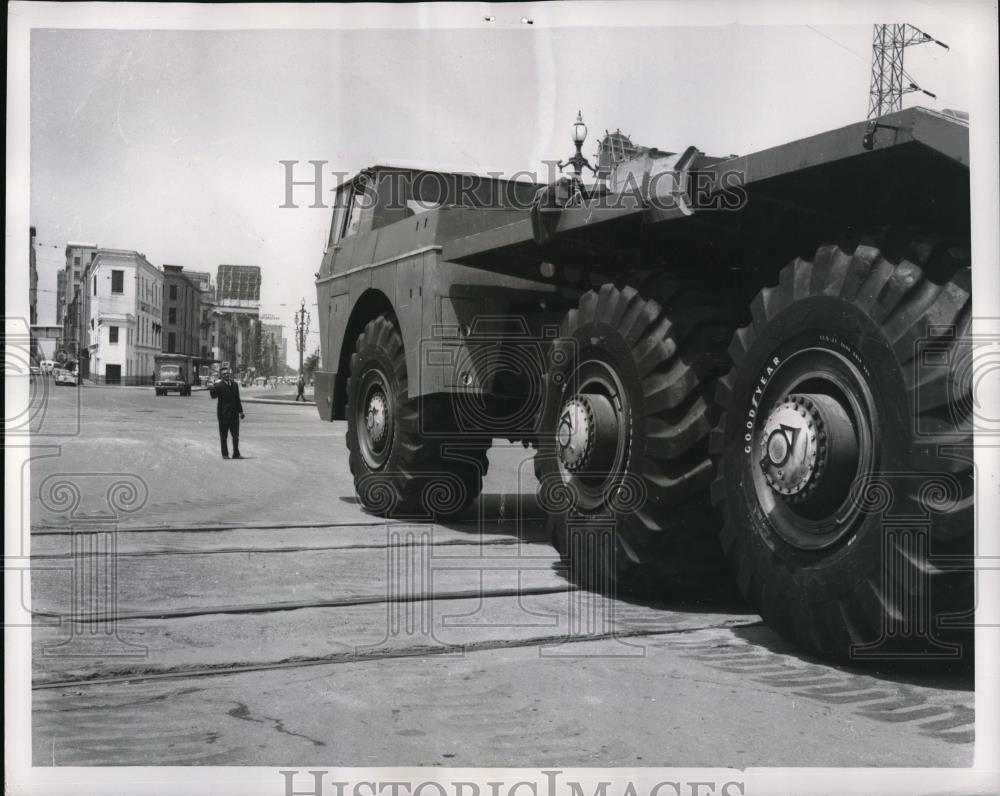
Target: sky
<point>169,142</point>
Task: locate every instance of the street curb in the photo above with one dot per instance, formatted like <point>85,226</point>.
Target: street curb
<point>275,401</point>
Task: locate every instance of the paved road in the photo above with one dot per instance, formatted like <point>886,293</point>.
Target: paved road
<point>263,618</point>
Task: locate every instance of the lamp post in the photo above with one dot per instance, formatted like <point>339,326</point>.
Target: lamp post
<point>579,160</point>
<point>301,330</point>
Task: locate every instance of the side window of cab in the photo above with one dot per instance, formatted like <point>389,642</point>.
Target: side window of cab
<point>355,206</point>
<point>339,211</point>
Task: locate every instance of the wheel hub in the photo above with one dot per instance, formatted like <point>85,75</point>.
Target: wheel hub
<point>375,417</point>
<point>587,433</point>
<point>808,446</point>
<point>790,447</point>
<point>574,434</point>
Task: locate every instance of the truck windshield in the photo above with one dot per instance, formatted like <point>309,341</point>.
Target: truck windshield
<point>169,371</point>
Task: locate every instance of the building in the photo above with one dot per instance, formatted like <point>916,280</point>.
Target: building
<point>237,315</point>
<point>60,295</point>
<point>238,285</point>
<point>32,280</point>
<point>181,312</point>
<point>36,331</point>
<point>204,281</point>
<point>123,306</point>
<point>236,331</point>
<point>207,348</point>
<point>274,346</point>
<point>70,312</point>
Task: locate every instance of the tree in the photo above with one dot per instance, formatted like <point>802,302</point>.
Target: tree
<point>311,363</point>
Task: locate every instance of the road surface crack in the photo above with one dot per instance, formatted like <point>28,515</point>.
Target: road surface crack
<point>242,712</point>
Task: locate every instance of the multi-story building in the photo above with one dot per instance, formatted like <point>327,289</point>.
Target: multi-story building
<point>32,280</point>
<point>181,312</point>
<point>70,310</point>
<point>274,349</point>
<point>124,316</point>
<point>237,294</point>
<point>60,295</point>
<point>207,327</point>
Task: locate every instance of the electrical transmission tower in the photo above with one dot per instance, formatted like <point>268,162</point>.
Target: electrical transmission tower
<point>889,80</point>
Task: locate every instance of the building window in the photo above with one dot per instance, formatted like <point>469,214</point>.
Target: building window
<point>117,281</point>
<point>94,280</point>
<point>173,291</point>
<point>171,343</point>
<point>172,312</point>
<point>112,334</point>
<point>76,262</point>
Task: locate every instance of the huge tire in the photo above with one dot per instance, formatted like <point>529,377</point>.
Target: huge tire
<point>845,451</point>
<point>405,454</point>
<point>623,464</point>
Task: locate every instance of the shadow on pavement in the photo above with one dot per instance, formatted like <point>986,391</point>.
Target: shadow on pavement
<point>957,674</point>
<point>496,513</point>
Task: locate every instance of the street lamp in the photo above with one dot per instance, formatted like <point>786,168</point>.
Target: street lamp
<point>578,161</point>
<point>301,330</point>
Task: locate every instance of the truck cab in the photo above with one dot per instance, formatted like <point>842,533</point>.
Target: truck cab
<point>389,228</point>
<point>173,374</point>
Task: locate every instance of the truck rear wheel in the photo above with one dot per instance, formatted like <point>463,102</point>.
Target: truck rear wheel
<point>405,454</point>
<point>623,464</point>
<point>835,478</point>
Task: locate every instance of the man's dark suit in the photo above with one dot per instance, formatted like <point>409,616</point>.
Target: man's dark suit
<point>228,410</point>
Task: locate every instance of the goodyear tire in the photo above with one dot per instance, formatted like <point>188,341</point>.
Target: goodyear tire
<point>623,463</point>
<point>845,464</point>
<point>404,453</point>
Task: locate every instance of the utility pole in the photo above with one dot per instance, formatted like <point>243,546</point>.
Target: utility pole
<point>301,330</point>
<point>889,80</point>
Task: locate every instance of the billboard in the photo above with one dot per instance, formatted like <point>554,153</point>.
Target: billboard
<point>237,283</point>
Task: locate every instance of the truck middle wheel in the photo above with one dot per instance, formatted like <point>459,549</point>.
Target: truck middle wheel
<point>623,465</point>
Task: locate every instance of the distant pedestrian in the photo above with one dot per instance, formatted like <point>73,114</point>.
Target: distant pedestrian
<point>229,410</point>
<point>302,388</point>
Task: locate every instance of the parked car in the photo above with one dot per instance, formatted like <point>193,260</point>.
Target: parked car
<point>64,376</point>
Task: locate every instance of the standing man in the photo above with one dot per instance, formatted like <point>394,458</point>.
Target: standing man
<point>229,411</point>
<point>302,388</point>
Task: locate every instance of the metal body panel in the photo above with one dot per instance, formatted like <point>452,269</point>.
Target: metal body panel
<point>397,268</point>
<point>436,270</point>
<point>916,153</point>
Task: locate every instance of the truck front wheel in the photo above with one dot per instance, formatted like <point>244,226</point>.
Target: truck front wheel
<point>845,448</point>
<point>405,454</point>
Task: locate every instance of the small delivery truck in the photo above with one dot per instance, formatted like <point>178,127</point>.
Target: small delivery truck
<point>174,373</point>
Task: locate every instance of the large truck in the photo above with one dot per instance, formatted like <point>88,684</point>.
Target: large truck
<point>174,373</point>
<point>759,358</point>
